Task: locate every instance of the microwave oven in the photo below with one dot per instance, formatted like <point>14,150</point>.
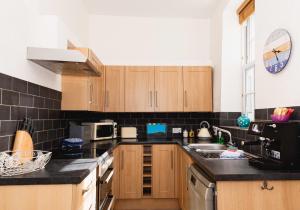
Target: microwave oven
<point>102,130</point>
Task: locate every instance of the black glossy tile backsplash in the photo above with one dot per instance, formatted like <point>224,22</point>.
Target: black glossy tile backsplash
<point>265,114</point>
<point>19,99</point>
<point>188,120</point>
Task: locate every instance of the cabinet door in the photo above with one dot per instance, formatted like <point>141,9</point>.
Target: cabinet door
<point>114,94</point>
<point>186,162</point>
<point>130,172</point>
<point>197,83</point>
<point>168,89</point>
<point>75,93</point>
<point>139,89</point>
<point>94,85</point>
<point>248,195</point>
<point>164,163</point>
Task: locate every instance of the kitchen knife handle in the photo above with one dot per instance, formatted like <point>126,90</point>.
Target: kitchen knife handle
<point>185,99</point>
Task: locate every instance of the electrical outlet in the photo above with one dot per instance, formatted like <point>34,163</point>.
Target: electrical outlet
<point>176,130</point>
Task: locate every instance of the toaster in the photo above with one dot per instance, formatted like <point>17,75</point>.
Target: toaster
<point>128,132</point>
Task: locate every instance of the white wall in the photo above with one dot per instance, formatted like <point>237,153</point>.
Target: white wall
<point>231,85</point>
<point>216,53</point>
<point>282,89</point>
<point>46,23</point>
<point>226,57</point>
<point>150,41</point>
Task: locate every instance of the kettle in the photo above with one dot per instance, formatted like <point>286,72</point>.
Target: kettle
<point>203,132</point>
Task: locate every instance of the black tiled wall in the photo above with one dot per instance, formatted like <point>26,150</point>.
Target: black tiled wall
<point>139,120</point>
<point>19,99</point>
<point>265,114</point>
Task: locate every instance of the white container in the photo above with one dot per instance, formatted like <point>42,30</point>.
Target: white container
<point>128,132</point>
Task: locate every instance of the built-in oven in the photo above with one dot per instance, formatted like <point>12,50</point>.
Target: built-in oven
<point>105,199</point>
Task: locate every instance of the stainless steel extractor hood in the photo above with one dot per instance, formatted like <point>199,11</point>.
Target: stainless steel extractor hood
<point>61,61</point>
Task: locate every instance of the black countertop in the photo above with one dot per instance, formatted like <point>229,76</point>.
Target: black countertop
<point>55,172</point>
<point>73,171</point>
<point>226,170</point>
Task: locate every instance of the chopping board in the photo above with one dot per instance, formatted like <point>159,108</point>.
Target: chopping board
<point>23,144</point>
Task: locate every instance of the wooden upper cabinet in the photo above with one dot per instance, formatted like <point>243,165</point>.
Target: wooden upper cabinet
<point>197,83</point>
<point>81,93</point>
<point>164,167</point>
<point>139,89</point>
<point>168,93</point>
<point>75,93</point>
<point>114,93</point>
<point>130,172</point>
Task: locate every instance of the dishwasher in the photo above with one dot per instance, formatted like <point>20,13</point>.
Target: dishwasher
<point>201,190</point>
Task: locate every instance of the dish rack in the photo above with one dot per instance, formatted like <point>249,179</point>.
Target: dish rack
<point>22,162</point>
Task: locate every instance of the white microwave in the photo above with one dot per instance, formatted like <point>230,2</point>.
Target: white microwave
<point>102,130</point>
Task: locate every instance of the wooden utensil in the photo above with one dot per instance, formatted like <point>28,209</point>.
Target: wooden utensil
<point>23,144</point>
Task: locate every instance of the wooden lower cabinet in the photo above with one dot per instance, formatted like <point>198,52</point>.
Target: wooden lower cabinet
<point>50,197</point>
<point>164,167</point>
<point>130,171</point>
<point>248,195</point>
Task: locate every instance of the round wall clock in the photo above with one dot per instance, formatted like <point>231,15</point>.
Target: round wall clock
<point>277,51</point>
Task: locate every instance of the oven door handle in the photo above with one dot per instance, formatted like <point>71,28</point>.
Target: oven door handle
<point>107,180</point>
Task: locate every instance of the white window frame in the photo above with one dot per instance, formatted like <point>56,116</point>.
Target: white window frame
<point>248,65</point>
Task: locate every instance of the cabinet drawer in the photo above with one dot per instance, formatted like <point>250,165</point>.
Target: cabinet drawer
<point>89,180</point>
<point>89,200</point>
<point>85,192</point>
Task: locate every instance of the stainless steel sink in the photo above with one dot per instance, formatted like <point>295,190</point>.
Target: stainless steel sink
<point>207,147</point>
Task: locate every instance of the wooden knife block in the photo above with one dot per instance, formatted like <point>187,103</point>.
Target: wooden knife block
<point>23,143</point>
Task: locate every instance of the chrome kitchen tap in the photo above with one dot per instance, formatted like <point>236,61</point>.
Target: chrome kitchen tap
<point>216,129</point>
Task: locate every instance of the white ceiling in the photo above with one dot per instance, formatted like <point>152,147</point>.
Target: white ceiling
<point>153,8</point>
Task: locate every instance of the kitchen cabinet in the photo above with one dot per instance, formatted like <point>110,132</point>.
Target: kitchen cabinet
<point>130,171</point>
<point>82,93</point>
<point>248,195</point>
<point>185,163</point>
<point>49,197</point>
<point>168,95</point>
<point>114,88</point>
<point>139,89</point>
<point>164,167</point>
<point>197,82</point>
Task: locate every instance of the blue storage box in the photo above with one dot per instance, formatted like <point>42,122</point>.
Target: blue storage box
<point>156,130</point>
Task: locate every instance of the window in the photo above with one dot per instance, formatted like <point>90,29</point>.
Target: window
<point>248,66</point>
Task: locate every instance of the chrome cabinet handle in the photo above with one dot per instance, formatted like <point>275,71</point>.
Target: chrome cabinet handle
<point>156,99</point>
<point>107,180</point>
<point>91,206</point>
<point>172,161</point>
<point>185,99</point>
<point>91,94</point>
<point>264,186</point>
<point>107,98</point>
<point>122,160</point>
<point>88,188</point>
<point>150,98</point>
